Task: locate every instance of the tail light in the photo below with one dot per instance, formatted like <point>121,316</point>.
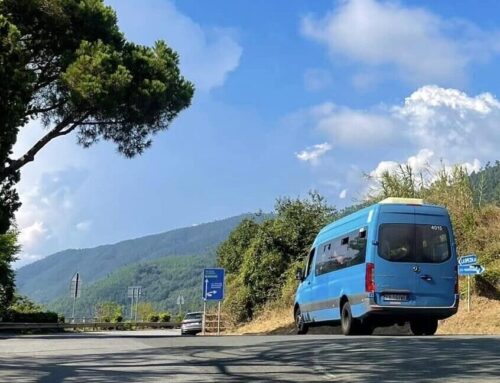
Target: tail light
<point>370,278</point>
<point>456,279</point>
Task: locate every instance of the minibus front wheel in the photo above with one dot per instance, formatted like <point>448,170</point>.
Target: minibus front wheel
<point>300,325</point>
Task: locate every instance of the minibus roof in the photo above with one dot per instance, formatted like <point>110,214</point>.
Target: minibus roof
<point>388,201</point>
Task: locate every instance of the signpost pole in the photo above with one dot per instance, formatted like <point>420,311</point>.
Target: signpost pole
<point>73,315</point>
<point>137,302</point>
<point>218,319</point>
<point>204,314</point>
<point>468,292</point>
<point>132,307</point>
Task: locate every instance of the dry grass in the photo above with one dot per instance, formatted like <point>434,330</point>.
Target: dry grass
<point>484,318</point>
<point>276,321</point>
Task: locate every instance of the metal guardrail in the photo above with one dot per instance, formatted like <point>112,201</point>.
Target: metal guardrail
<point>88,325</point>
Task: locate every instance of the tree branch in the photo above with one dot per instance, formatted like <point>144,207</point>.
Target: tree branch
<point>64,127</point>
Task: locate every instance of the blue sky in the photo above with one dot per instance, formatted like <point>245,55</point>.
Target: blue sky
<point>291,96</point>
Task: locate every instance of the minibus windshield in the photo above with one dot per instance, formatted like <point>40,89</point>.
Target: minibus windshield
<point>400,242</point>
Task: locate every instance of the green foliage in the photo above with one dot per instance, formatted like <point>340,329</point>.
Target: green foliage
<point>153,318</point>
<point>146,311</point>
<point>33,317</point>
<point>165,317</point>
<point>258,256</point>
<point>486,184</point>
<point>25,310</point>
<point>108,311</point>
<point>8,250</point>
<point>23,304</point>
<point>229,253</point>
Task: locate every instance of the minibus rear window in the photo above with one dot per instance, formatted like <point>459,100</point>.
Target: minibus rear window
<point>414,243</point>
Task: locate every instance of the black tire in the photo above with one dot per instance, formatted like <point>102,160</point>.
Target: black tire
<point>301,327</point>
<point>365,328</point>
<point>349,325</point>
<point>424,326</point>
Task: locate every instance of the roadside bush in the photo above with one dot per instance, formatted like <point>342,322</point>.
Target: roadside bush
<point>165,317</point>
<point>118,319</point>
<point>153,318</point>
<point>33,317</point>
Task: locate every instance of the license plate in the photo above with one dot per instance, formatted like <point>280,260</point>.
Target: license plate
<point>395,297</point>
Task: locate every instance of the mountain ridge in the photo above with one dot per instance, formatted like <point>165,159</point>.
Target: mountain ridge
<point>48,278</point>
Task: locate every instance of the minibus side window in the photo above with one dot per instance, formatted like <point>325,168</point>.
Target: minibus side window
<point>345,251</point>
<point>309,263</point>
<point>356,253</point>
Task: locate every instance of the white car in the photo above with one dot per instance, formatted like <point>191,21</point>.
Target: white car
<point>192,323</point>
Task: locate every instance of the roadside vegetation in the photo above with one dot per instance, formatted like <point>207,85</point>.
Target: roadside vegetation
<point>261,258</point>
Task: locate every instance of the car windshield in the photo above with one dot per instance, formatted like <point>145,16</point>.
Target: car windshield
<point>414,243</point>
<point>193,316</point>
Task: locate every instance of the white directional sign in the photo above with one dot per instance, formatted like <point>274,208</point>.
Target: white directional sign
<point>470,269</point>
<point>180,300</point>
<point>467,259</point>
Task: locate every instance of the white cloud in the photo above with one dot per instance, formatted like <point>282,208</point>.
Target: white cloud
<point>207,54</point>
<point>343,194</point>
<point>419,45</point>
<point>84,225</point>
<point>48,212</point>
<point>433,127</point>
<point>30,236</point>
<point>346,126</point>
<point>451,123</point>
<point>317,79</point>
<point>447,123</point>
<point>313,153</point>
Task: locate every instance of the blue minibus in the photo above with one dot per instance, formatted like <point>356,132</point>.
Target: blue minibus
<point>390,263</point>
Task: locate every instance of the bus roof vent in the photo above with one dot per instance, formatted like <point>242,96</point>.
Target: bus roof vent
<point>404,201</point>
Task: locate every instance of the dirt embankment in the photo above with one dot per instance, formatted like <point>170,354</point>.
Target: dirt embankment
<point>484,318</point>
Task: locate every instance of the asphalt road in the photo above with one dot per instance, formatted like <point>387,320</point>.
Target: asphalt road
<point>162,356</point>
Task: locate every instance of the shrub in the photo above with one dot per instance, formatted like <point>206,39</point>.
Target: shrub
<point>118,319</point>
<point>33,317</point>
<point>153,318</point>
<point>165,317</point>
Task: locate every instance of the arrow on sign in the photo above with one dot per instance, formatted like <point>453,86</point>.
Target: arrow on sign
<point>470,269</point>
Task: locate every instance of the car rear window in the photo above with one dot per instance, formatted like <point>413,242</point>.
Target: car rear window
<point>193,316</point>
<point>414,243</point>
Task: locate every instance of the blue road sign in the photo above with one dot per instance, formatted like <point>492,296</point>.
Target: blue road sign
<point>467,259</point>
<point>213,284</point>
<point>470,269</point>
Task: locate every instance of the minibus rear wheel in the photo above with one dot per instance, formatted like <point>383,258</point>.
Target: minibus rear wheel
<point>300,325</point>
<point>350,325</point>
<point>424,326</point>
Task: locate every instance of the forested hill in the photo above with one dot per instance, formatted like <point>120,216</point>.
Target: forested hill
<point>162,281</point>
<point>49,278</point>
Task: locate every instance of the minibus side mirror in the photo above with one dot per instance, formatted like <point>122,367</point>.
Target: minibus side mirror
<point>299,275</point>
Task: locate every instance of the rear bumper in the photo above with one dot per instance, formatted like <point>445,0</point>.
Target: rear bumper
<point>408,312</point>
<point>190,329</point>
